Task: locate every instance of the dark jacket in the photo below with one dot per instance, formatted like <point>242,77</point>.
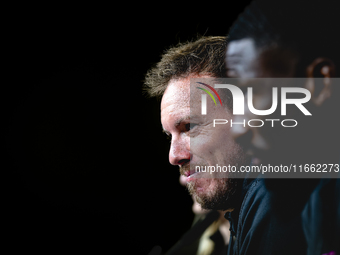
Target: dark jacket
<point>262,224</point>
<point>321,218</point>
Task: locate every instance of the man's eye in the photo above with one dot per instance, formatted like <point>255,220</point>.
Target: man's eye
<point>189,126</point>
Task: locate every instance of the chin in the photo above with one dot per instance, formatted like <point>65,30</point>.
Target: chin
<point>218,195</point>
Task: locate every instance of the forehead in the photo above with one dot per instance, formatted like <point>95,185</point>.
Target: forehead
<point>243,47</point>
<point>177,94</point>
<point>175,102</point>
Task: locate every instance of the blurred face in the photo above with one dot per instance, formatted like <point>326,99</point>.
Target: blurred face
<point>195,142</point>
<point>245,61</point>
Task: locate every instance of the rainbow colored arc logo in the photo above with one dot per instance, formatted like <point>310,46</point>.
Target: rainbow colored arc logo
<point>208,92</point>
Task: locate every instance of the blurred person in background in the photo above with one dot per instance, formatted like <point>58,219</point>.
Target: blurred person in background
<point>283,39</point>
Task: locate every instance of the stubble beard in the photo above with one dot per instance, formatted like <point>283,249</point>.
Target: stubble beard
<point>222,193</point>
<point>222,197</point>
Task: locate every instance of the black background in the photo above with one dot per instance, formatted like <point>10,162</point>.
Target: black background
<point>87,162</point>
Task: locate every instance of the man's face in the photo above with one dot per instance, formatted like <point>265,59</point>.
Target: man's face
<point>195,142</point>
<point>245,61</point>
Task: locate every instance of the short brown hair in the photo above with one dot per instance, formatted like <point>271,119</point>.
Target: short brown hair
<point>203,56</point>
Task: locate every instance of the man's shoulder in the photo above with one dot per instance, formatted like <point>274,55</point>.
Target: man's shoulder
<point>263,228</point>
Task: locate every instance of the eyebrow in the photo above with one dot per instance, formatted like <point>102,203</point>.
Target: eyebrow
<point>177,123</point>
<point>180,120</point>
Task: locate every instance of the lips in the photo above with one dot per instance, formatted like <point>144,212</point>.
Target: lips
<point>190,173</point>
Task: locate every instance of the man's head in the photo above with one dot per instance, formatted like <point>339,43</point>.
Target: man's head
<point>192,141</point>
<point>204,56</point>
<point>281,39</point>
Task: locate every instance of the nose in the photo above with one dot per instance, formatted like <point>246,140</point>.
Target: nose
<point>179,153</point>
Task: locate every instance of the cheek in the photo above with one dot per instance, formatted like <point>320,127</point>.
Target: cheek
<point>213,147</point>
<point>211,142</point>
<point>221,137</point>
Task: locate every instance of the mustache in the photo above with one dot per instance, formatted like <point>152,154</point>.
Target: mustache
<point>184,168</point>
<point>189,166</point>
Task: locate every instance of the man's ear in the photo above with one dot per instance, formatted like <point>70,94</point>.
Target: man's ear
<point>324,69</point>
